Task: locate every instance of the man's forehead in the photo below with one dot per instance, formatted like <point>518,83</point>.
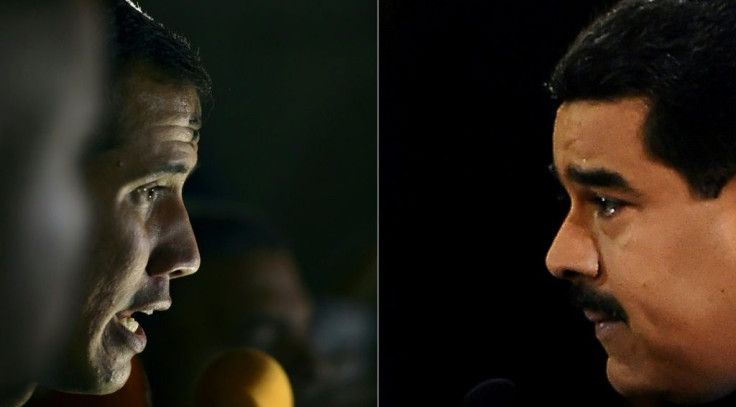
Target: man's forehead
<point>178,104</point>
<point>591,133</point>
<point>160,110</point>
<point>145,84</point>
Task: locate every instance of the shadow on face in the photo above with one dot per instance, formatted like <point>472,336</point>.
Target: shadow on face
<point>51,77</point>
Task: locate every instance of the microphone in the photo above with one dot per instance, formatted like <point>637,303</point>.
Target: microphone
<point>497,392</point>
<point>243,377</point>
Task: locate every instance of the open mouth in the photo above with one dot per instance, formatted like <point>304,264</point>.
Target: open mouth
<point>130,331</point>
<point>130,323</point>
<point>125,330</point>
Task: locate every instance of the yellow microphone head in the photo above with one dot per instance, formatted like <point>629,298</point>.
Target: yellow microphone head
<point>243,377</point>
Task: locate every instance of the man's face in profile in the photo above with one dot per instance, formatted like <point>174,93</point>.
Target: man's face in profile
<point>142,237</point>
<point>653,263</point>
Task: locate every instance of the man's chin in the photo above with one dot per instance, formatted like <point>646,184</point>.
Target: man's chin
<point>91,377</point>
<point>97,384</point>
<point>109,369</point>
<point>114,382</point>
<point>630,382</point>
<point>638,385</point>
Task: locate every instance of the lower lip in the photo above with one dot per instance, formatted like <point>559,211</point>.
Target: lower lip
<point>136,341</point>
<point>604,329</point>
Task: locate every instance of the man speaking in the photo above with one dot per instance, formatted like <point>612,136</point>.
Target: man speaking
<point>134,173</point>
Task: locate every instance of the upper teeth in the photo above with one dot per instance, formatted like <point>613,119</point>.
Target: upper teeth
<point>129,323</point>
<point>147,311</point>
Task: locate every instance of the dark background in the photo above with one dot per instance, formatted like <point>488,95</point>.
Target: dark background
<point>292,135</point>
<point>468,207</point>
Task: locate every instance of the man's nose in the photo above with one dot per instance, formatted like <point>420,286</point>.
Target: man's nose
<point>175,249</point>
<point>573,253</point>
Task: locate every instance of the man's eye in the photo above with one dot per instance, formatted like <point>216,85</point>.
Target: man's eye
<point>606,207</point>
<point>148,193</point>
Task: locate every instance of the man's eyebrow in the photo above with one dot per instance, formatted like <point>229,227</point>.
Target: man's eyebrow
<point>168,169</point>
<point>598,177</point>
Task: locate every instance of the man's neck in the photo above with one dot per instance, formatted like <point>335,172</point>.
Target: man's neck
<point>17,396</point>
<point>726,401</point>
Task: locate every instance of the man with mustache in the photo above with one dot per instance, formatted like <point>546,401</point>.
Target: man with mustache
<point>644,144</point>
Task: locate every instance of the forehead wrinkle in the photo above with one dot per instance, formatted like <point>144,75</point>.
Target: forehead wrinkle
<point>175,135</point>
<point>175,104</point>
<point>180,113</point>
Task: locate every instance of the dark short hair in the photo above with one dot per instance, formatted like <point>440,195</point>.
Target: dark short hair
<point>681,56</point>
<point>136,37</point>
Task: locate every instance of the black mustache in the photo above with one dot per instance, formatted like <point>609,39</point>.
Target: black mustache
<point>587,299</point>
